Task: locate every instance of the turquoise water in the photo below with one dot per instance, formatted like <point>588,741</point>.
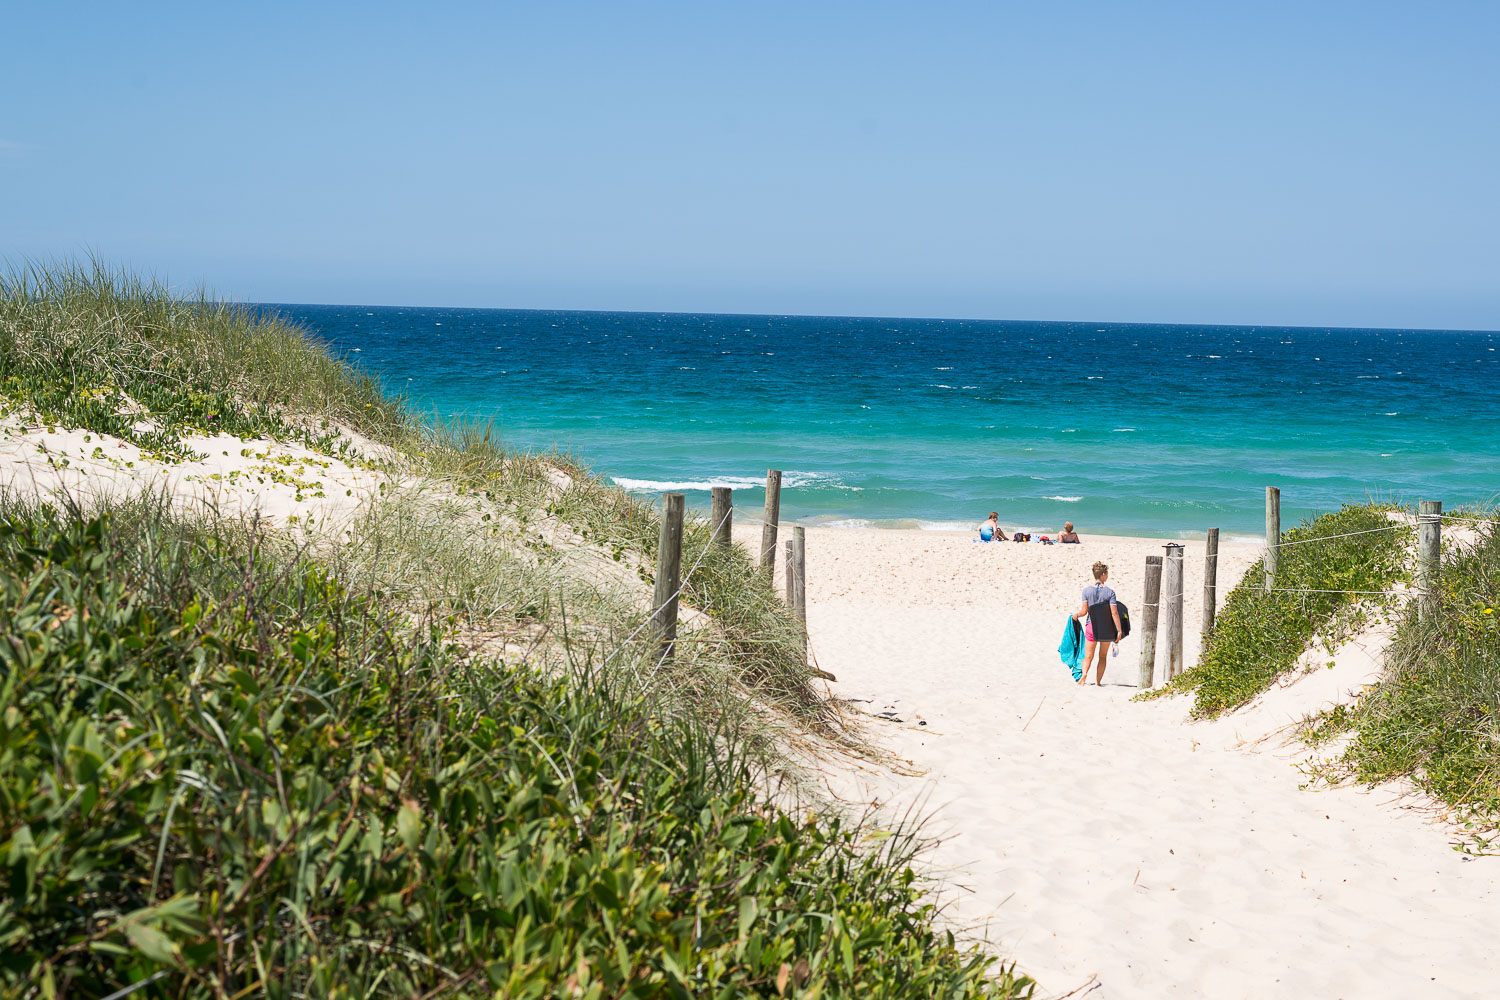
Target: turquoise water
<point>1121,428</point>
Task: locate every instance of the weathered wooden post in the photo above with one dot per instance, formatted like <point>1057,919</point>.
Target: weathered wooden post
<point>789,565</point>
<point>799,578</point>
<point>768,528</point>
<point>1210,581</point>
<point>1273,533</point>
<point>1171,602</point>
<point>668,572</point>
<point>721,516</point>
<point>1429,554</point>
<point>1149,614</point>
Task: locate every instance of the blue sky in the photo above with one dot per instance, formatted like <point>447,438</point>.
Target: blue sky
<point>1321,164</point>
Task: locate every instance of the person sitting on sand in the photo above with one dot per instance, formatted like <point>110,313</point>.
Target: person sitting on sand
<point>1096,594</point>
<point>990,530</point>
<point>1068,536</point>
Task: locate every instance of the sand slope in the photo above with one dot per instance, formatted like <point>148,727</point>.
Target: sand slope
<point>1095,837</point>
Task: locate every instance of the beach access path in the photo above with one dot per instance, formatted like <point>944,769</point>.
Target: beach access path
<point>1115,845</point>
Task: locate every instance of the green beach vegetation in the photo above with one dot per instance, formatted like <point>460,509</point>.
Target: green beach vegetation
<point>425,756</point>
<point>86,346</point>
<point>1435,715</point>
<point>1327,576</point>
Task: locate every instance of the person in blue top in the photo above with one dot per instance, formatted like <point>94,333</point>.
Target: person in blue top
<point>1094,638</point>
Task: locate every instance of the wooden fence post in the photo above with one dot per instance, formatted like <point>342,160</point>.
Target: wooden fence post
<point>1149,615</point>
<point>1171,602</point>
<point>668,572</point>
<point>789,563</point>
<point>799,578</point>
<point>1273,533</point>
<point>721,516</point>
<point>1429,554</point>
<point>773,516</point>
<point>1210,581</point>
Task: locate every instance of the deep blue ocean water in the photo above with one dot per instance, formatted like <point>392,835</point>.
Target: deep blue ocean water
<point>1121,428</point>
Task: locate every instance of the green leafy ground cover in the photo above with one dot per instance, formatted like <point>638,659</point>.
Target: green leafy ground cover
<point>218,763</point>
<point>1259,636</point>
<point>233,767</point>
<point>1435,716</point>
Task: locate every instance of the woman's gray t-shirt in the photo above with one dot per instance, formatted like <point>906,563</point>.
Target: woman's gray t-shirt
<point>1097,593</point>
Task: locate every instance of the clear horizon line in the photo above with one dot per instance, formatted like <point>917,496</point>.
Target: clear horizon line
<point>873,316</point>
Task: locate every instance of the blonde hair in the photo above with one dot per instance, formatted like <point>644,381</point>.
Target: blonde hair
<point>1099,570</point>
<point>1068,526</point>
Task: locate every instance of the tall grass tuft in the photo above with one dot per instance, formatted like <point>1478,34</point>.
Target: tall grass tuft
<point>89,346</point>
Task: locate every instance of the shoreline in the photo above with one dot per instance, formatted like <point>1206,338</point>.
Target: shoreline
<point>953,529</point>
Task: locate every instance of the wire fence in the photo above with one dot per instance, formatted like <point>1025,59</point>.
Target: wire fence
<point>1394,526</point>
<point>681,587</point>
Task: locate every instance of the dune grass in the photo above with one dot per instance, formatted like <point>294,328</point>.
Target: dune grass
<point>91,347</point>
<point>84,345</point>
<point>1257,636</point>
<point>1435,715</point>
<point>244,762</point>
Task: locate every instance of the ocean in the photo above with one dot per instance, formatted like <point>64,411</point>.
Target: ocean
<point>1121,428</point>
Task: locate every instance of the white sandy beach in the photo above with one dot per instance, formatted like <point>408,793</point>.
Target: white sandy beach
<point>1114,845</point>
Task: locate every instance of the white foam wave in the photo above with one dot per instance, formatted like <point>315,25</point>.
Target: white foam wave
<point>945,525</point>
<point>1064,499</point>
<point>788,480</point>
<point>1122,430</point>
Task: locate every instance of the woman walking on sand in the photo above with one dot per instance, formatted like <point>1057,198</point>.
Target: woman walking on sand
<point>1095,640</point>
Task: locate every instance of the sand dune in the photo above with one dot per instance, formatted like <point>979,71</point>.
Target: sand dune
<point>1102,841</point>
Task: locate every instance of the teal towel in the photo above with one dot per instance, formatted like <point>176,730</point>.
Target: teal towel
<point>1071,648</point>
